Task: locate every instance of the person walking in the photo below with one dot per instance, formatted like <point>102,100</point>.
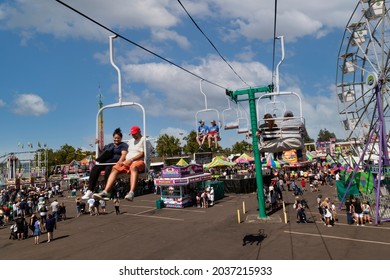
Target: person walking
<point>37,230</point>
<point>54,209</point>
<point>116,205</point>
<point>78,206</point>
<point>50,226</point>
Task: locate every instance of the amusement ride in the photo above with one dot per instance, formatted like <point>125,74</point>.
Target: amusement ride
<point>362,84</point>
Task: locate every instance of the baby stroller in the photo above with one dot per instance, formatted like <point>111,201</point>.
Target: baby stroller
<point>82,207</point>
<point>301,216</point>
<point>304,203</point>
<point>297,190</point>
<point>14,232</point>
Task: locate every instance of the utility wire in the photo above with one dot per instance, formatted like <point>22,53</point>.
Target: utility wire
<point>139,46</point>
<point>211,43</point>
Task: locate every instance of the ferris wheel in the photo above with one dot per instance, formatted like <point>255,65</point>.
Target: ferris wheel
<point>363,92</point>
<point>363,71</point>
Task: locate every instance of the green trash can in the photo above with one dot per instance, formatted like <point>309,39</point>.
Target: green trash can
<point>73,193</point>
<point>159,204</point>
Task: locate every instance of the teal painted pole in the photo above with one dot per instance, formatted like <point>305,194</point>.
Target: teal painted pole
<point>256,154</point>
<point>250,92</point>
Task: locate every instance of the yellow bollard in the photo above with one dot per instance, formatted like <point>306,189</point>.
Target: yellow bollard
<point>243,207</point>
<point>238,216</point>
<point>284,212</point>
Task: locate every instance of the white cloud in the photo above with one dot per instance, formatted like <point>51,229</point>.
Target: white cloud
<point>50,17</point>
<point>247,18</point>
<point>30,104</point>
<point>2,103</point>
<point>165,35</point>
<point>297,18</point>
<point>182,99</point>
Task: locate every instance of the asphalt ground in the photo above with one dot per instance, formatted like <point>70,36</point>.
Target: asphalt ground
<point>142,232</point>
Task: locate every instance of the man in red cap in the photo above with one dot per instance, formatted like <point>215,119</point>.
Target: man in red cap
<point>133,165</point>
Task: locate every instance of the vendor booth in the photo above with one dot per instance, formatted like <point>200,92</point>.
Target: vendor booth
<point>180,184</point>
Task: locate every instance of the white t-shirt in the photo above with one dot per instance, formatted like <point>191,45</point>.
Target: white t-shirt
<point>135,147</point>
<point>90,202</point>
<point>54,206</point>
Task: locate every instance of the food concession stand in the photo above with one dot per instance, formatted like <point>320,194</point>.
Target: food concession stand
<point>180,184</point>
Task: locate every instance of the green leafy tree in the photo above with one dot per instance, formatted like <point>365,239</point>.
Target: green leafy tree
<point>325,135</point>
<point>168,145</point>
<point>191,145</point>
<point>67,153</point>
<point>241,147</point>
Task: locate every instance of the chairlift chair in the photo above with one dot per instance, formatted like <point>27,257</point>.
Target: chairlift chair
<point>230,123</point>
<point>206,110</point>
<point>243,123</point>
<point>274,107</point>
<point>120,104</point>
<point>289,132</point>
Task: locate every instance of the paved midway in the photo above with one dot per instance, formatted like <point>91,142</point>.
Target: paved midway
<point>143,232</point>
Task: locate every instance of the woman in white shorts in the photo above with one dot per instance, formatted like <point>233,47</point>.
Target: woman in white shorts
<point>358,209</point>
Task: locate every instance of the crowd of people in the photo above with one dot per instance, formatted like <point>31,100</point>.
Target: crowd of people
<point>31,211</point>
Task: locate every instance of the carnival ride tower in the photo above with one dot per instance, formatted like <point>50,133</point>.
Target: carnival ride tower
<point>101,126</point>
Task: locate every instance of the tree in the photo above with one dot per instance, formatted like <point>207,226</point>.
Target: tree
<point>241,147</point>
<point>324,135</point>
<point>168,145</point>
<point>66,154</point>
<point>191,145</point>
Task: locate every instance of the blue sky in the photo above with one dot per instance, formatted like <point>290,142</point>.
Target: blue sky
<point>54,63</point>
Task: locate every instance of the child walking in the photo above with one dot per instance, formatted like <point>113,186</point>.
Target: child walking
<point>116,204</point>
<point>37,231</point>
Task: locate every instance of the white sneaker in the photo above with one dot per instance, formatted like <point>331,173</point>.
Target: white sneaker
<point>87,195</point>
<point>102,195</point>
<point>130,196</point>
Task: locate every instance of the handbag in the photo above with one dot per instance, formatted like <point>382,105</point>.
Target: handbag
<point>107,154</point>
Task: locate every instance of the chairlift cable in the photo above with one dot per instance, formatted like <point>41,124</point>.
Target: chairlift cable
<point>211,43</point>
<point>137,45</point>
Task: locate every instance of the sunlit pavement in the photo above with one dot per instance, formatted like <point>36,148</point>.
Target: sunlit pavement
<point>143,232</point>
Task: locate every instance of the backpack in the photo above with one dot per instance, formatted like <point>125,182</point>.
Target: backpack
<point>148,154</point>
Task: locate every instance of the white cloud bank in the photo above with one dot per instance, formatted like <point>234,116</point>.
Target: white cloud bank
<point>30,105</point>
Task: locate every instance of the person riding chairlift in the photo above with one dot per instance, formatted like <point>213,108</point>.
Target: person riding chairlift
<point>213,134</point>
<point>202,133</point>
<point>269,126</point>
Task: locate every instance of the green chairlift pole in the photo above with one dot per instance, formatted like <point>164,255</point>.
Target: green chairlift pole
<point>251,98</point>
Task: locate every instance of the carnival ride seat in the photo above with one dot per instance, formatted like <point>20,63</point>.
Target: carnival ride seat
<point>288,135</point>
<point>141,175</point>
<point>148,148</point>
<point>207,113</point>
<point>230,117</point>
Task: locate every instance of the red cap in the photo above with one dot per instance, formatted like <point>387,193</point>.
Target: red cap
<point>134,130</point>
